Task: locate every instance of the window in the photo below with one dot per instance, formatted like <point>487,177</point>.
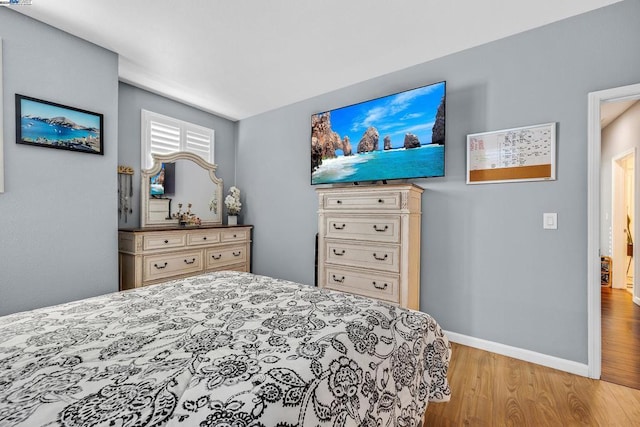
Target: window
<point>166,135</point>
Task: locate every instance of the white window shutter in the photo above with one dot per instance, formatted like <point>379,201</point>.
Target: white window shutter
<point>199,143</point>
<point>165,135</point>
<point>164,138</point>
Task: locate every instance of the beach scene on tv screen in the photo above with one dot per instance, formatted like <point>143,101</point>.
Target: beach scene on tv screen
<point>46,124</point>
<point>399,136</point>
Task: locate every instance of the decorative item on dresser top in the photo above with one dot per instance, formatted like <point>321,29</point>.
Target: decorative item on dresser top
<point>233,204</point>
<point>152,255</point>
<point>369,241</point>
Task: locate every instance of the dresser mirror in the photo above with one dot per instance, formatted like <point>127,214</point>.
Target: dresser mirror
<point>180,179</point>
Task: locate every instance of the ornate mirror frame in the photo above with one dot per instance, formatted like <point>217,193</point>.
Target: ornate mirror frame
<point>145,176</point>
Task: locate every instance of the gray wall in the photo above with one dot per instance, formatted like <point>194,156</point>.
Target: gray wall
<point>489,270</point>
<point>58,239</point>
<point>131,101</point>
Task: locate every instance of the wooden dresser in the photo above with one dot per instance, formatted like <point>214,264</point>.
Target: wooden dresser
<point>369,241</point>
<point>153,255</point>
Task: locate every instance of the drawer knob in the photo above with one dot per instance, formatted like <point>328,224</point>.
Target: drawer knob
<point>375,285</point>
<point>380,201</point>
<point>340,228</point>
<point>381,229</point>
<point>166,241</point>
<point>204,238</point>
<point>339,202</point>
<point>234,236</point>
<point>160,267</point>
<point>186,261</point>
<point>338,253</point>
<point>380,258</point>
<point>237,253</point>
<point>335,279</point>
<point>216,257</point>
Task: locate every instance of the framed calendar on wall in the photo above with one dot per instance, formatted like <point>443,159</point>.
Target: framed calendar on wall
<point>510,155</point>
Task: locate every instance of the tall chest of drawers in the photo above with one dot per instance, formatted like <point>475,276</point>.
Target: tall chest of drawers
<point>369,241</point>
<point>147,255</point>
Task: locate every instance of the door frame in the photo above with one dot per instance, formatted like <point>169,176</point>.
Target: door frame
<point>594,142</point>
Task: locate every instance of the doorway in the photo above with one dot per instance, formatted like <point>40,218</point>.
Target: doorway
<point>620,316</point>
<point>594,244</point>
<point>622,215</point>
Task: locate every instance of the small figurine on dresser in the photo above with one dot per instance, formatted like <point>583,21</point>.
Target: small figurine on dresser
<point>187,217</point>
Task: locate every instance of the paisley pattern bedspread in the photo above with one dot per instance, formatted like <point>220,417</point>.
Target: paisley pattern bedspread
<point>221,349</point>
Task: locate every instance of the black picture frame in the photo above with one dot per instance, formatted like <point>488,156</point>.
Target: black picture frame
<point>51,125</point>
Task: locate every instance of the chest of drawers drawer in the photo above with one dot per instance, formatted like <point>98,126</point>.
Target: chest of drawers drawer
<point>372,285</point>
<point>364,201</point>
<point>375,229</point>
<point>376,257</point>
<point>168,265</point>
<point>219,257</point>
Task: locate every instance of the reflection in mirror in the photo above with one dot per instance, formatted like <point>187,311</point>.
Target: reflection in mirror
<point>176,181</point>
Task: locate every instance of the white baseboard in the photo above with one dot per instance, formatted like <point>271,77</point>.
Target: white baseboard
<point>636,300</point>
<point>570,366</point>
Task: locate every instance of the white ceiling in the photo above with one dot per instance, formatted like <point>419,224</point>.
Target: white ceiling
<point>238,58</point>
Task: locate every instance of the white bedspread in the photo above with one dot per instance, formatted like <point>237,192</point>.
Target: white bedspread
<point>221,349</point>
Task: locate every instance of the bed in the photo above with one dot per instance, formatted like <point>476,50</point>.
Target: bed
<point>221,349</point>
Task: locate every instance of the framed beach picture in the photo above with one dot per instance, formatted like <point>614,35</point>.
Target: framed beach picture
<point>47,124</point>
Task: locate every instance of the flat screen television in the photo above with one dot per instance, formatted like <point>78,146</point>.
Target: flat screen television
<point>399,136</point>
<point>164,182</point>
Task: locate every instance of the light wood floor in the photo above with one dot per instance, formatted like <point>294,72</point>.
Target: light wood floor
<point>493,390</point>
<point>620,338</point>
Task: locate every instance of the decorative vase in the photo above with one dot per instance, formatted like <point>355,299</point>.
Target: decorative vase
<point>232,220</point>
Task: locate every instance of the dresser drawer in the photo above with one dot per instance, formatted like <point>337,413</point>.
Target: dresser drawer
<point>376,229</point>
<point>167,265</point>
<point>377,257</point>
<point>235,267</point>
<point>369,201</point>
<point>163,240</point>
<point>231,235</point>
<point>373,285</point>
<point>204,237</point>
<point>218,257</point>
<point>154,255</point>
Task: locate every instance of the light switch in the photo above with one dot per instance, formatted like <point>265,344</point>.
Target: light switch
<point>550,221</point>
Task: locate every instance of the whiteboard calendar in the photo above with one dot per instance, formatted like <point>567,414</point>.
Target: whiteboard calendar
<point>509,155</point>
